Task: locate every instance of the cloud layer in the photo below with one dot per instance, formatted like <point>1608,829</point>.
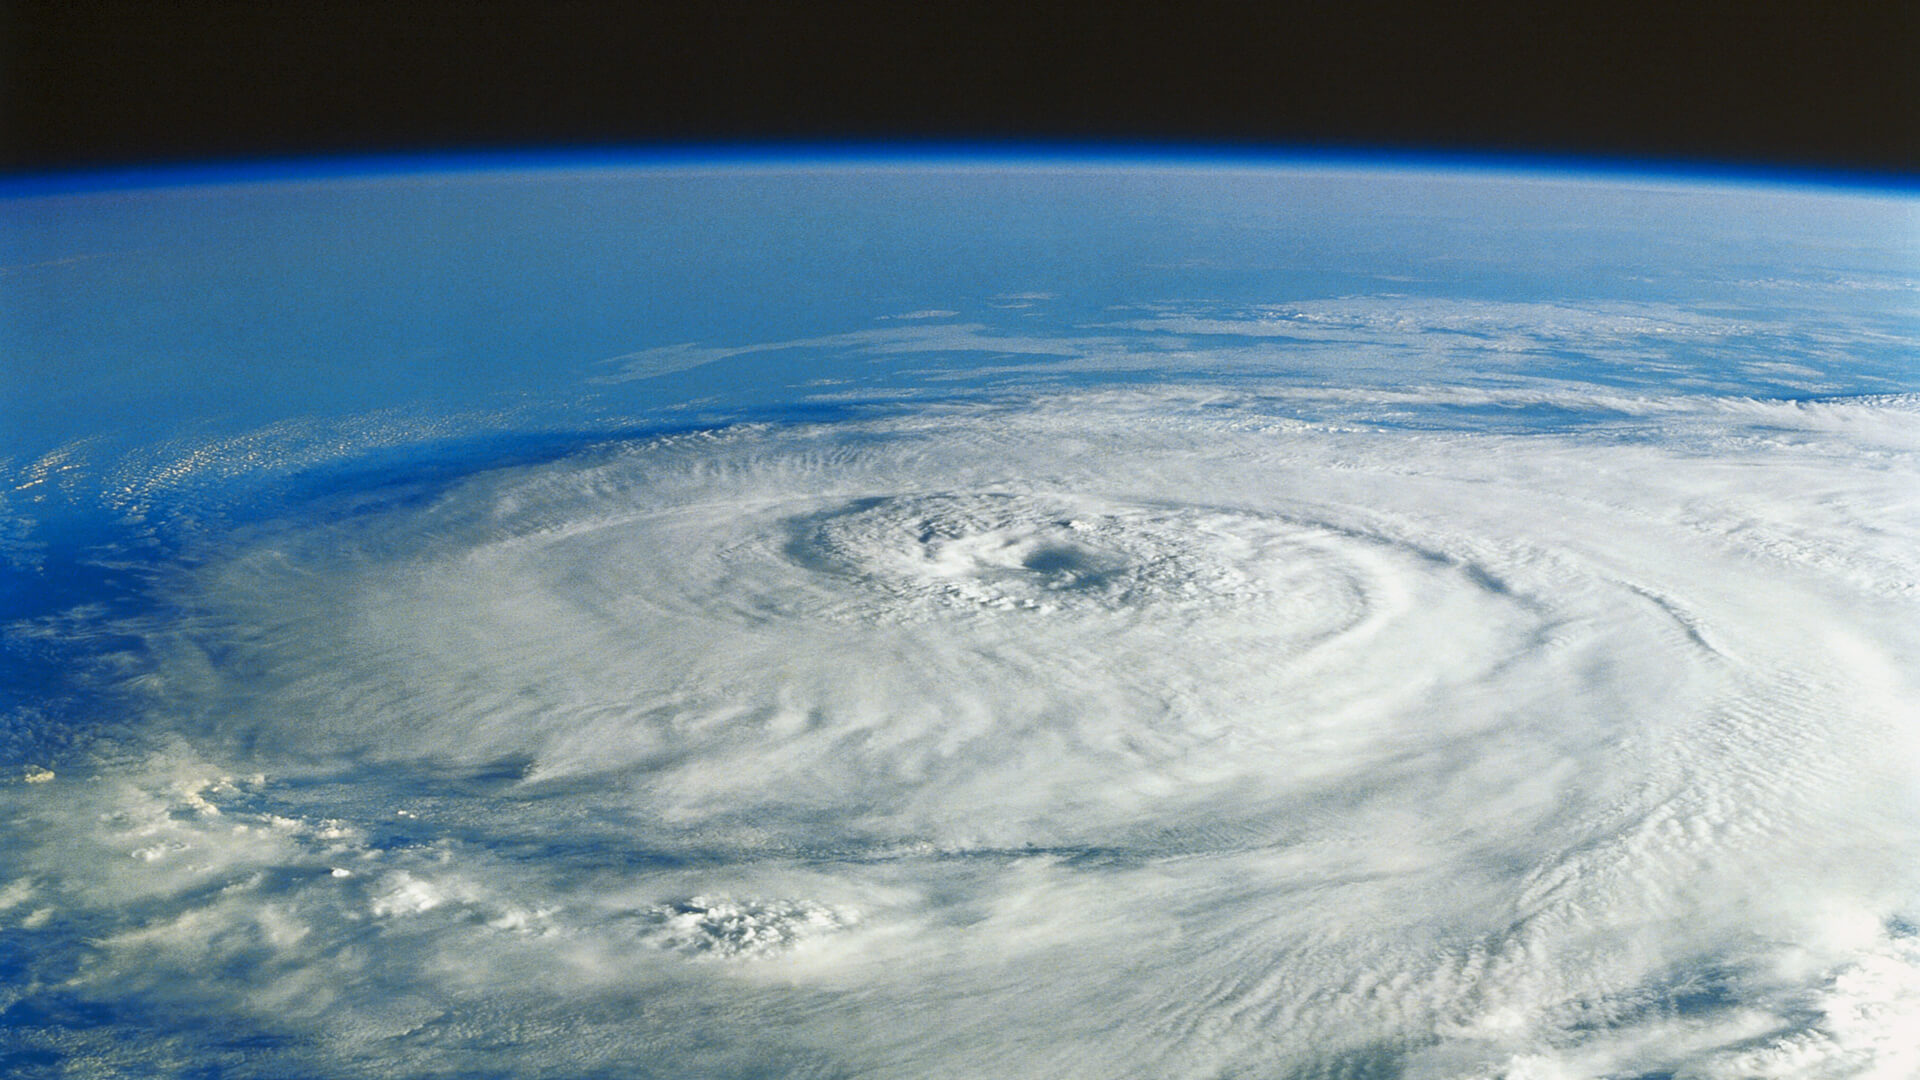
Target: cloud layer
<point>1182,732</point>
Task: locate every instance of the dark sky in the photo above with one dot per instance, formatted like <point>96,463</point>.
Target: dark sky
<point>1814,84</point>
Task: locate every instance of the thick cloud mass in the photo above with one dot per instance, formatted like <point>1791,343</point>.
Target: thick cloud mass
<point>1298,745</point>
<point>1237,720</point>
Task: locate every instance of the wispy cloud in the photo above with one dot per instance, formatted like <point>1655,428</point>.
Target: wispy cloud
<point>903,340</point>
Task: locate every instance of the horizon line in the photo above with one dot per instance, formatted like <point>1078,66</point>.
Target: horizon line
<point>775,154</point>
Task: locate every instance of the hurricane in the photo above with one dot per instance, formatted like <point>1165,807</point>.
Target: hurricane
<point>1215,674</point>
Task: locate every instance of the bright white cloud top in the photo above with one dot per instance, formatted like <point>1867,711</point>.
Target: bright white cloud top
<point>1172,623</point>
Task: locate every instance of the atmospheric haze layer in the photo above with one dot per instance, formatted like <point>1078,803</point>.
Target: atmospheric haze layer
<point>956,620</point>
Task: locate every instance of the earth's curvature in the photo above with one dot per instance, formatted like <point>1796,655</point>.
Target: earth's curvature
<point>957,618</point>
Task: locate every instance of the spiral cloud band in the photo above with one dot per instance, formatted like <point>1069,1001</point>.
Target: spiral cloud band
<point>1316,746</point>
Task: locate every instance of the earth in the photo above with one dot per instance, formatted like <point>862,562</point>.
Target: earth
<point>974,616</point>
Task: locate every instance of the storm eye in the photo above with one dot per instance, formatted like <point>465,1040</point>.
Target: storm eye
<point>1055,560</point>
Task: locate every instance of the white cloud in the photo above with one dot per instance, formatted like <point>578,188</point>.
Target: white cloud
<point>1017,301</point>
<point>1299,737</point>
